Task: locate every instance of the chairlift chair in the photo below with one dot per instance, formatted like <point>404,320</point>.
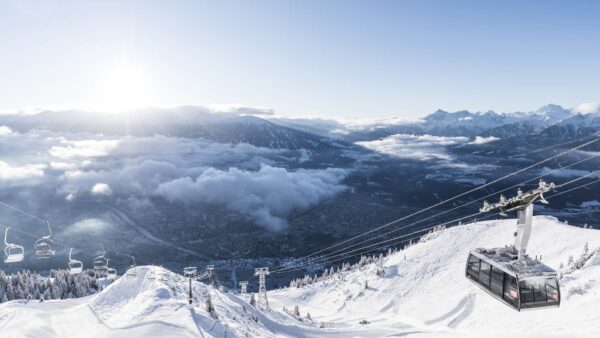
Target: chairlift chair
<point>131,272</point>
<point>100,263</point>
<point>75,266</point>
<point>14,253</point>
<point>43,246</point>
<point>111,273</point>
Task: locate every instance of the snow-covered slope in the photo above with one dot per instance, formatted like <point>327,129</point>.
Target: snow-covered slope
<point>425,290</point>
<point>423,293</point>
<point>141,307</point>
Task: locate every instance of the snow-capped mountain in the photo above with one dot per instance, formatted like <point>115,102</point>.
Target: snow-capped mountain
<point>576,126</point>
<point>421,292</point>
<point>471,124</point>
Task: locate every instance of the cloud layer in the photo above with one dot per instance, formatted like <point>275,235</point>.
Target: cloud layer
<point>242,178</point>
<point>268,195</point>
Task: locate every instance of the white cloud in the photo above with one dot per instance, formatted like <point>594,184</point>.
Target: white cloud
<point>268,196</point>
<point>101,189</point>
<point>88,226</point>
<point>483,140</point>
<point>588,107</point>
<point>13,173</point>
<point>419,147</point>
<point>64,166</point>
<point>4,130</point>
<point>84,148</point>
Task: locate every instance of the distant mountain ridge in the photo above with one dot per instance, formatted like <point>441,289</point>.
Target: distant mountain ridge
<point>188,121</point>
<point>244,126</point>
<point>486,124</point>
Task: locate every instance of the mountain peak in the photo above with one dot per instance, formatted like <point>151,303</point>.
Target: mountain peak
<point>553,112</point>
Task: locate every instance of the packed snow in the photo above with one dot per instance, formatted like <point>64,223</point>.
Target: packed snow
<point>421,292</point>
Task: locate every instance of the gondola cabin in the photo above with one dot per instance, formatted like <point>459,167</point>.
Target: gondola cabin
<point>520,284</point>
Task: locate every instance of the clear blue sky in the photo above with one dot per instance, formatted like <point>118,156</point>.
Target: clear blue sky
<point>328,58</point>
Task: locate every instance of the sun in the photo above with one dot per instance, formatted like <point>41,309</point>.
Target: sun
<point>123,88</point>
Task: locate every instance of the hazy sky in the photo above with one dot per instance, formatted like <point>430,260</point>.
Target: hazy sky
<point>328,58</point>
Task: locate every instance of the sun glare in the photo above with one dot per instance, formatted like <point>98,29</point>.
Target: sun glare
<point>123,88</point>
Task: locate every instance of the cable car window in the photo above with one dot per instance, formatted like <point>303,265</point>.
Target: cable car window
<point>473,266</point>
<point>510,288</point>
<point>497,281</point>
<point>533,290</point>
<point>484,273</point>
<point>552,294</point>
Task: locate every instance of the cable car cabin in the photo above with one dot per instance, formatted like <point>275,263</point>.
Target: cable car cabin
<point>518,285</point>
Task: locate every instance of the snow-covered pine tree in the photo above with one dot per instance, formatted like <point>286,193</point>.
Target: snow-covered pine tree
<point>209,306</point>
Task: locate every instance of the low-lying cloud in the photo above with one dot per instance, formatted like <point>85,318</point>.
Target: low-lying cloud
<point>101,189</point>
<point>483,140</point>
<point>18,173</point>
<point>588,107</point>
<point>268,195</point>
<point>417,147</point>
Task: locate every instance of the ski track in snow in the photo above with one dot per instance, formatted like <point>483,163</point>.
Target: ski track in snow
<point>423,294</point>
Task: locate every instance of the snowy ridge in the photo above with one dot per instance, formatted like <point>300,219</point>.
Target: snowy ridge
<point>422,292</point>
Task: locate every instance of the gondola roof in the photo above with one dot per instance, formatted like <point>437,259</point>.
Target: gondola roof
<point>506,259</point>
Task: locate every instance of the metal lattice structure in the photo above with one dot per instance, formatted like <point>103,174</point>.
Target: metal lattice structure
<point>244,287</point>
<point>262,286</point>
<point>190,272</point>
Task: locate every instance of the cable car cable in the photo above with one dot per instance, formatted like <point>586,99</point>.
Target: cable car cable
<point>452,198</point>
<point>458,207</point>
<point>562,185</point>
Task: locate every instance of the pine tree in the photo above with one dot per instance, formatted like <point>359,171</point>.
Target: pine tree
<point>209,307</point>
<point>252,300</point>
<point>296,311</point>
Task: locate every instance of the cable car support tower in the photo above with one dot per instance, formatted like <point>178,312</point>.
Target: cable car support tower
<point>523,204</point>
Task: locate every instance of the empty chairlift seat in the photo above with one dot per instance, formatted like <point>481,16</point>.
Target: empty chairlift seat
<point>13,253</point>
<point>43,246</point>
<point>75,266</point>
<point>100,264</point>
